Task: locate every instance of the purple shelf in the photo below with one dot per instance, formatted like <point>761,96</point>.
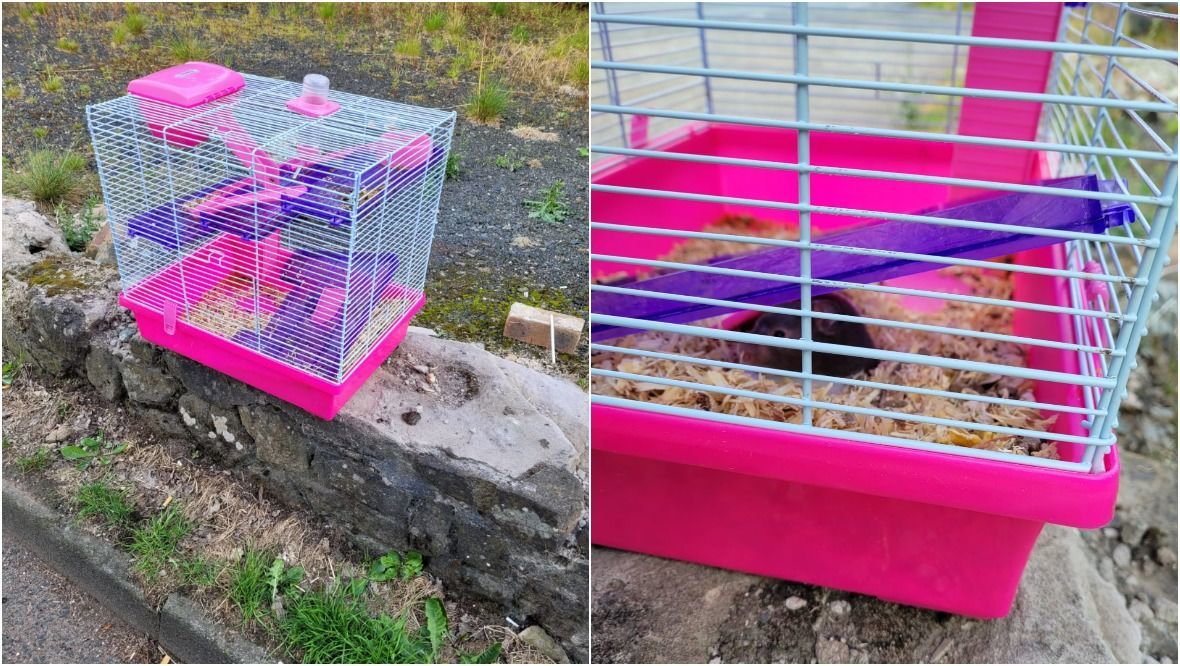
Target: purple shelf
<point>1035,211</point>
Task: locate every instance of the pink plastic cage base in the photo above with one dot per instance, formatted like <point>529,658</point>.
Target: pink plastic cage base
<point>923,528</point>
<point>207,267</point>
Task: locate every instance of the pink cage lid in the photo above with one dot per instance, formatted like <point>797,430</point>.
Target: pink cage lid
<point>188,85</point>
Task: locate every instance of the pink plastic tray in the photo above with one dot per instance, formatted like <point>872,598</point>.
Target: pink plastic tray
<point>922,528</point>
<point>207,267</point>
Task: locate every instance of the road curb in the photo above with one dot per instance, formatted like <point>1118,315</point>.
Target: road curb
<point>186,632</point>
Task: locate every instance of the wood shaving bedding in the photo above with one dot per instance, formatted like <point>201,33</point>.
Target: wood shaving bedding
<point>968,316</point>
<point>218,311</point>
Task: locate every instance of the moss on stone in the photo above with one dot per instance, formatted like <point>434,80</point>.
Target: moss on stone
<point>472,306</point>
<point>55,277</point>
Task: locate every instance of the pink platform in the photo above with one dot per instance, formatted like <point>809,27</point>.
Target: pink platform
<point>924,528</point>
<point>158,323</point>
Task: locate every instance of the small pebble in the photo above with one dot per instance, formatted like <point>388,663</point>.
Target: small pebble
<point>840,608</point>
<point>1165,609</point>
<point>1132,532</point>
<point>795,603</point>
<point>412,417</point>
<point>1122,555</point>
<point>1165,556</point>
<point>1110,532</point>
<point>1106,569</point>
<point>1140,611</point>
<point>421,369</point>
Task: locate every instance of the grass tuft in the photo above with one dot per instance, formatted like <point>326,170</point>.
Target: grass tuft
<point>333,625</point>
<point>135,23</point>
<point>551,206</point>
<point>488,103</point>
<point>327,11</point>
<point>110,505</point>
<point>498,9</point>
<point>13,91</point>
<point>12,368</point>
<point>435,22</point>
<point>248,587</point>
<point>187,49</point>
<point>410,48</point>
<point>120,34</point>
<point>454,163</point>
<point>34,462</point>
<point>52,83</point>
<point>68,45</point>
<point>50,177</point>
<point>155,544</point>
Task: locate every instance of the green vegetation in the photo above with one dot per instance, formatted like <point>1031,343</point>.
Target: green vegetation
<point>333,625</point>
<point>509,161</point>
<point>551,206</point>
<point>13,91</point>
<point>12,368</point>
<point>488,102</point>
<point>120,34</point>
<point>454,163</point>
<point>95,450</point>
<point>156,543</point>
<point>392,566</point>
<point>135,23</point>
<point>410,48</point>
<point>520,34</point>
<point>34,462</point>
<point>583,152</point>
<point>51,177</point>
<point>187,49</point>
<point>40,132</point>
<point>489,656</point>
<point>110,505</point>
<point>259,579</point>
<point>327,11</point>
<point>52,83</point>
<point>78,228</point>
<point>68,45</point>
<point>498,9</point>
<point>435,22</point>
<point>51,274</point>
<point>41,8</point>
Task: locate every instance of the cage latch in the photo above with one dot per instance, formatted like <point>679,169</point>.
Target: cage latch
<point>170,318</point>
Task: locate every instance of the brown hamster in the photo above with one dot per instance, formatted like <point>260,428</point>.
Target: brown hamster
<point>822,330</point>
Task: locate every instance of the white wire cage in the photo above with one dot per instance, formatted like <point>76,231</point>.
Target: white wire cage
<point>251,228</point>
<point>886,113</point>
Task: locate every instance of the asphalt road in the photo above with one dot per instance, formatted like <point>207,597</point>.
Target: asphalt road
<point>49,620</point>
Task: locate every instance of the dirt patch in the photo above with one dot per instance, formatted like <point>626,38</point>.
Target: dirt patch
<point>533,134</point>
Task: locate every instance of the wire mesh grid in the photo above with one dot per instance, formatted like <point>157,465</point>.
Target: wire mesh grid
<point>664,76</point>
<point>303,239</point>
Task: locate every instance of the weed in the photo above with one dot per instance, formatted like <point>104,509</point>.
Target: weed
<point>34,462</point>
<point>411,565</point>
<point>110,505</point>
<point>498,9</point>
<point>327,11</point>
<point>13,91</point>
<point>40,132</point>
<point>64,407</point>
<point>488,102</point>
<point>454,164</point>
<point>410,48</point>
<point>41,8</point>
<point>438,43</point>
<point>508,161</point>
<point>392,566</point>
<point>248,587</point>
<point>68,45</point>
<point>188,49</point>
<point>52,83</point>
<point>154,545</point>
<point>456,24</point>
<point>581,73</point>
<point>199,572</point>
<point>84,90</point>
<point>26,15</point>
<point>135,23</point>
<point>520,34</point>
<point>551,207</point>
<point>12,368</point>
<point>333,625</point>
<point>120,34</point>
<point>94,450</point>
<point>50,177</point>
<point>583,151</point>
<point>78,228</point>
<point>435,22</point>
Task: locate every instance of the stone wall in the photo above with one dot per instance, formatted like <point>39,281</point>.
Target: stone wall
<point>478,462</point>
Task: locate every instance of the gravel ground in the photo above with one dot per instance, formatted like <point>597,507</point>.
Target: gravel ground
<point>47,620</point>
<point>487,253</point>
